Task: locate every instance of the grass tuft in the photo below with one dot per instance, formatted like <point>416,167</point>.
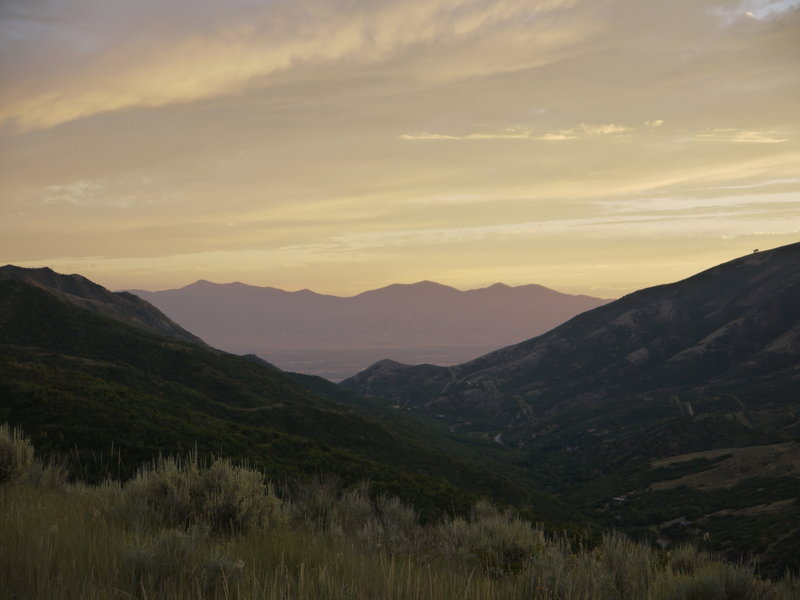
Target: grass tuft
<point>16,453</point>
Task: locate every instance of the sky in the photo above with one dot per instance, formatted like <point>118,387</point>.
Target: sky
<point>592,146</point>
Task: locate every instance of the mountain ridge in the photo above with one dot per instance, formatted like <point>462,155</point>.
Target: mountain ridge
<point>675,327</point>
<point>337,336</point>
<point>83,292</point>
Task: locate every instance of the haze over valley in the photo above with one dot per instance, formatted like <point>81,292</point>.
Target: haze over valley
<point>336,337</point>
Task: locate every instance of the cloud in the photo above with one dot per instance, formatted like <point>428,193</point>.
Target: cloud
<point>229,54</point>
<point>62,61</point>
<point>365,246</point>
<point>761,9</point>
<point>745,204</point>
<point>125,191</point>
<point>511,133</point>
<point>680,218</point>
<point>519,133</point>
<point>453,199</point>
<point>559,136</point>
<point>603,129</point>
<point>586,130</point>
<point>741,136</point>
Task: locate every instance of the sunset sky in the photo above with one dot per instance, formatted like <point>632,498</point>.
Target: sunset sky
<point>592,146</point>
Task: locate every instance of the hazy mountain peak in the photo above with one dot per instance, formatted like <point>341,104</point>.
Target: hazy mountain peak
<point>430,284</point>
<point>388,364</point>
<point>204,283</point>
<point>424,284</point>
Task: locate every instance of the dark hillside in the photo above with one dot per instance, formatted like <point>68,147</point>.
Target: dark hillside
<point>84,293</point>
<point>726,340</point>
<point>707,364</point>
<point>80,381</point>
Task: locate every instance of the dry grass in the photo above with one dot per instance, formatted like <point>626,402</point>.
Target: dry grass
<point>16,453</point>
<point>321,541</point>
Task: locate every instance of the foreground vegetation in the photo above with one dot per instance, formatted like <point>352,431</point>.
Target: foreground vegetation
<point>183,529</point>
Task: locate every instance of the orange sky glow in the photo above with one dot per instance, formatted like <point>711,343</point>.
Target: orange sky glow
<point>592,146</point>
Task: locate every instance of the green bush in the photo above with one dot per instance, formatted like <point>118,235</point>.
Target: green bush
<point>711,580</point>
<point>630,566</point>
<point>400,525</point>
<point>312,503</point>
<point>51,476</point>
<point>178,560</point>
<point>221,497</point>
<point>352,514</point>
<point>16,453</point>
<point>686,559</point>
<point>498,541</point>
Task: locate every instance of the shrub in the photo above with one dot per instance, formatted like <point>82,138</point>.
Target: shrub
<point>352,514</point>
<point>51,476</point>
<point>178,560</point>
<point>312,502</point>
<point>400,525</point>
<point>221,497</point>
<point>16,453</point>
<point>498,541</point>
<point>630,566</point>
<point>713,580</point>
<point>686,559</point>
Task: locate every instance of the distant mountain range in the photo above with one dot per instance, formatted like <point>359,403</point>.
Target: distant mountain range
<point>338,336</point>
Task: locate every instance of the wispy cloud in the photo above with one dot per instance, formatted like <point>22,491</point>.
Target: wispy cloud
<point>745,204</point>
<point>588,130</point>
<point>124,191</point>
<point>741,136</point>
<point>559,136</point>
<point>229,54</point>
<point>519,133</point>
<point>507,134</point>
<point>605,129</point>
